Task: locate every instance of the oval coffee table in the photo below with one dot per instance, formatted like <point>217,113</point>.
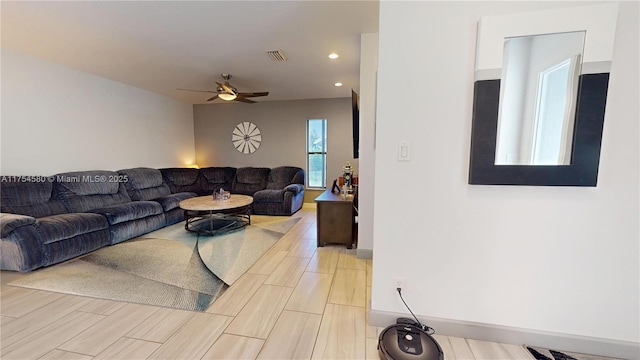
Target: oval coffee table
<point>204,215</point>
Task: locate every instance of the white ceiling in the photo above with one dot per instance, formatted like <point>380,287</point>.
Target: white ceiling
<point>164,45</point>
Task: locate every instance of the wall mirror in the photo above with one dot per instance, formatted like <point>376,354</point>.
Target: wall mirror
<point>540,89</point>
<point>538,97</point>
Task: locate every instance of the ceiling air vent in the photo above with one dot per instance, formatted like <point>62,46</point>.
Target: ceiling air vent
<point>277,55</point>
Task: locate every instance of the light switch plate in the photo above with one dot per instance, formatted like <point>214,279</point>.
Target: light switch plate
<point>404,151</point>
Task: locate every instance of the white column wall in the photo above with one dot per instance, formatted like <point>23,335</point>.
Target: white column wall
<point>560,260</point>
<point>368,74</point>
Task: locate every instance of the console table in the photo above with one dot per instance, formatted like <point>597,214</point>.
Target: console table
<point>335,217</point>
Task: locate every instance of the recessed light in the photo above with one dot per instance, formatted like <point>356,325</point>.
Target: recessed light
<point>338,84</point>
<point>333,56</point>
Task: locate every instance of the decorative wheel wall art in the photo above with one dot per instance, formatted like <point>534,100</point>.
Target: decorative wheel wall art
<point>246,137</point>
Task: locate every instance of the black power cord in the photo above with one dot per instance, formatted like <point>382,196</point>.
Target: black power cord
<point>425,328</point>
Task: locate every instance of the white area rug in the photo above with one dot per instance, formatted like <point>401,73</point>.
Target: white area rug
<point>231,254</point>
<point>163,268</point>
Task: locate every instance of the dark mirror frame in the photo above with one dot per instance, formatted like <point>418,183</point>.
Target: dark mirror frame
<point>587,139</point>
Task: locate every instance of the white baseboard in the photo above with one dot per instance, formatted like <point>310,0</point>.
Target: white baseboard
<point>512,335</point>
<point>364,254</point>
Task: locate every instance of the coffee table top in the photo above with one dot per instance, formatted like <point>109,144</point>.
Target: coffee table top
<point>206,203</point>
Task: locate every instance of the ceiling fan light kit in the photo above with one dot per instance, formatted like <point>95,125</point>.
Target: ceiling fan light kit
<point>227,97</point>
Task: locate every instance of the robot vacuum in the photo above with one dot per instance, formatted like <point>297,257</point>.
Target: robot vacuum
<point>406,340</point>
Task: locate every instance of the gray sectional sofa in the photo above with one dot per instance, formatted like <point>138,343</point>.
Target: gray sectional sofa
<point>47,220</point>
<point>277,191</point>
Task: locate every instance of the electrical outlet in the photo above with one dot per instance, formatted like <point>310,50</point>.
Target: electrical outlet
<point>399,282</point>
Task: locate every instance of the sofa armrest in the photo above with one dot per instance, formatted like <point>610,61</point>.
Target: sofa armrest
<point>21,248</point>
<point>172,201</point>
<point>294,188</point>
<point>10,222</point>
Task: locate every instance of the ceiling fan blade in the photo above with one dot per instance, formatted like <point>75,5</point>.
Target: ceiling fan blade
<point>227,88</point>
<point>248,101</point>
<point>213,97</point>
<point>253,94</point>
<point>204,91</point>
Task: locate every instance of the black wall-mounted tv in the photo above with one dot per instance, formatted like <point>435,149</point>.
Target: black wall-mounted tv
<point>355,110</point>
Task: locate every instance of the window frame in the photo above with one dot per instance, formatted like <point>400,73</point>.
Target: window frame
<point>323,152</point>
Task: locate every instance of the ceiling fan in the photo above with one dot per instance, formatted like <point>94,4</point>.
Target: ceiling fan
<point>227,92</point>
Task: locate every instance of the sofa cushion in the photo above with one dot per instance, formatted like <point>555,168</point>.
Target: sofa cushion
<point>214,178</point>
<point>218,174</point>
<point>82,183</point>
<point>65,249</point>
<point>284,175</point>
<point>172,201</point>
<point>181,179</point>
<point>290,204</point>
<point>82,191</point>
<point>65,226</point>
<point>248,180</point>
<point>32,198</point>
<point>268,196</point>
<point>144,183</point>
<point>129,211</point>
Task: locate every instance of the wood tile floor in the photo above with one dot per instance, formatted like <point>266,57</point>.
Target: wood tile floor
<point>296,302</point>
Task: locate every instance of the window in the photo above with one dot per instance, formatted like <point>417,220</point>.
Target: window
<point>316,153</point>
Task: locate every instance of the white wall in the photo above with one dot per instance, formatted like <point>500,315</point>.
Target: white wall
<point>57,119</point>
<point>553,259</point>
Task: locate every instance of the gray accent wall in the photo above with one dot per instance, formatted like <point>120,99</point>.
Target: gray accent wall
<point>283,127</point>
